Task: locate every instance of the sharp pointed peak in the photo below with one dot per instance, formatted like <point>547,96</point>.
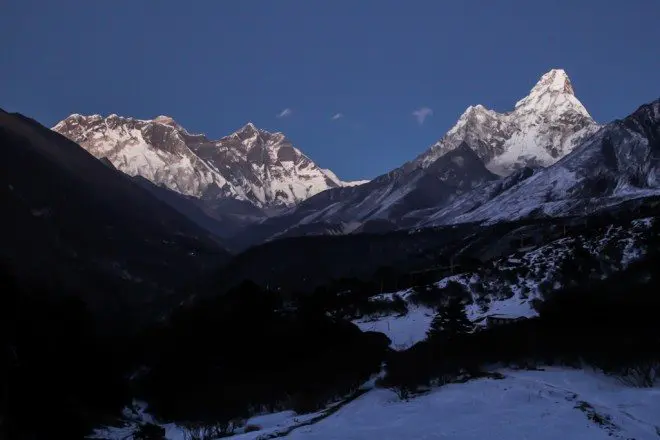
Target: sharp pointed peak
<point>249,127</point>
<point>472,110</point>
<point>555,80</point>
<point>247,131</point>
<point>553,92</point>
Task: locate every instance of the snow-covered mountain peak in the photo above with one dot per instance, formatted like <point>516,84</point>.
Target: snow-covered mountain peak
<point>114,120</point>
<point>77,118</point>
<point>166,120</point>
<point>248,130</point>
<point>251,131</point>
<point>246,136</point>
<point>472,111</point>
<point>251,164</point>
<point>474,114</point>
<point>252,140</point>
<point>543,127</point>
<point>619,162</point>
<point>556,80</point>
<point>553,94</point>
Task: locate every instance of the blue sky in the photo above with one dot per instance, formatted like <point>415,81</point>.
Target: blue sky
<point>215,65</point>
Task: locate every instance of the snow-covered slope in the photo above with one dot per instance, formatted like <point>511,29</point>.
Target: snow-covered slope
<point>551,404</point>
<point>251,164</point>
<point>404,330</point>
<point>543,127</point>
<point>545,404</point>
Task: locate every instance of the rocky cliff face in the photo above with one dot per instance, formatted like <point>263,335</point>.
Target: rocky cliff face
<point>554,159</point>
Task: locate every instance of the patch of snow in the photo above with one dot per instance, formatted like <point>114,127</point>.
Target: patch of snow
<point>404,331</point>
<point>354,182</point>
<point>332,176</point>
<point>514,307</point>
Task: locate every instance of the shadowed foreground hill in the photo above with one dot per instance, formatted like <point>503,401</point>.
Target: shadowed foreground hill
<point>71,223</point>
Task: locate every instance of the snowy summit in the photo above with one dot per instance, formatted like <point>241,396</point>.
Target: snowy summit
<point>544,126</point>
<point>251,164</point>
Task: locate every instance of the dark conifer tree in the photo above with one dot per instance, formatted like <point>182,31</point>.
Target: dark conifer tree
<point>450,321</point>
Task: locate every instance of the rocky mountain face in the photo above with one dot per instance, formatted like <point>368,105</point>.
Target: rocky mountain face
<point>467,202</point>
<point>619,162</point>
<point>76,223</point>
<point>542,128</point>
<point>379,204</point>
<point>250,165</point>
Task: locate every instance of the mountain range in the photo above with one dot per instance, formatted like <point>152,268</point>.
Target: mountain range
<point>547,141</point>
<point>250,165</point>
<point>547,156</point>
<point>260,187</point>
